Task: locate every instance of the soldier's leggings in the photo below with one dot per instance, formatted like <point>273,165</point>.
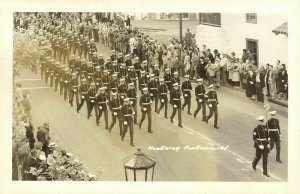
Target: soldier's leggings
<point>187,101</point>
<point>51,79</point>
<point>61,87</point>
<point>125,127</point>
<point>213,111</point>
<point>199,106</point>
<point>179,113</point>
<point>164,104</point>
<point>56,81</point>
<point>82,100</point>
<point>105,117</point>
<point>113,122</point>
<point>148,112</point>
<point>257,157</point>
<point>277,143</point>
<point>66,90</point>
<point>91,106</point>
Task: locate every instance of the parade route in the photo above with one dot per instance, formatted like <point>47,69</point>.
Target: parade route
<point>103,152</point>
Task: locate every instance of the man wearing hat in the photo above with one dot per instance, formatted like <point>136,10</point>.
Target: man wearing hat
<point>90,72</point>
<point>175,98</point>
<point>73,90</point>
<point>186,88</point>
<point>199,93</point>
<point>42,65</point>
<point>132,76</point>
<point>274,133</point>
<point>113,55</point>
<point>168,78</point>
<point>108,64</point>
<point>124,72</point>
<point>80,47</point>
<point>153,89</point>
<point>56,78</point>
<point>106,79</point>
<point>97,77</point>
<point>92,100</point>
<point>212,102</point>
<point>120,58</point>
<point>128,60</point>
<point>102,101</point>
<point>132,95</point>
<point>145,103</point>
<point>163,97</point>
<point>156,72</point>
<point>143,80</point>
<point>122,89</point>
<point>101,62</point>
<point>175,78</point>
<point>83,69</point>
<point>115,108</point>
<point>261,144</point>
<point>137,66</point>
<point>127,112</point>
<point>115,68</point>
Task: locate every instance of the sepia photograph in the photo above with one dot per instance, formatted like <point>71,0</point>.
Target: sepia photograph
<point>171,98</point>
<point>150,96</point>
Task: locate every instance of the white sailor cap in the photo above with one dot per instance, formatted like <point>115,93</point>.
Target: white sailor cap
<point>145,89</point>
<point>142,72</point>
<point>273,112</point>
<point>83,80</point>
<point>73,74</point>
<point>94,53</point>
<point>112,51</point>
<point>122,79</point>
<point>90,63</point>
<point>260,118</point>
<point>167,69</point>
<point>102,88</point>
<point>175,73</point>
<point>105,71</point>
<point>114,75</point>
<point>130,84</point>
<point>152,75</point>
<point>100,55</point>
<point>175,84</point>
<point>120,53</point>
<point>128,55</point>
<point>126,100</point>
<point>108,58</point>
<point>52,145</point>
<point>115,61</point>
<point>211,86</point>
<point>130,67</point>
<point>114,93</point>
<point>92,84</point>
<point>136,58</point>
<point>186,76</point>
<point>200,80</point>
<point>144,62</point>
<point>161,79</point>
<point>122,64</point>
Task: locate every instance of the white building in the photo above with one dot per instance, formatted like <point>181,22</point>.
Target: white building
<point>235,32</point>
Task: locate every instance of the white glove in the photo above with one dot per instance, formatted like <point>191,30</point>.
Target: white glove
<point>51,74</point>
<point>115,113</point>
<point>210,105</point>
<point>282,81</point>
<point>122,97</point>
<point>54,78</point>
<point>92,101</point>
<point>100,107</point>
<point>151,101</point>
<point>75,90</point>
<point>65,81</point>
<point>151,94</point>
<point>89,77</point>
<point>269,146</point>
<point>185,95</point>
<point>175,106</point>
<point>200,100</point>
<point>251,82</point>
<point>133,113</point>
<point>218,105</point>
<point>144,109</point>
<point>125,122</point>
<point>131,102</point>
<point>162,100</point>
<point>97,84</point>
<point>261,147</point>
<point>180,97</point>
<point>82,97</point>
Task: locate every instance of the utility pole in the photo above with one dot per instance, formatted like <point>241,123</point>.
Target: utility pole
<point>180,27</point>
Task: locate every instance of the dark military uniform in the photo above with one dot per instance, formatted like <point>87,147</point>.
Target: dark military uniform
<point>168,78</point>
<point>92,102</point>
<point>143,82</point>
<point>212,101</point>
<point>186,88</point>
<point>132,95</point>
<point>153,91</point>
<point>162,93</point>
<point>97,78</point>
<point>175,99</point>
<point>73,90</point>
<point>115,108</point>
<point>199,92</point>
<point>83,89</point>
<point>274,133</point>
<point>260,137</point>
<point>145,103</point>
<point>102,108</point>
<point>127,112</point>
<point>122,90</point>
<point>66,80</point>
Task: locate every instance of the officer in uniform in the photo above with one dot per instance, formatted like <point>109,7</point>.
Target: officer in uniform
<point>128,60</point>
<point>132,95</point>
<point>90,72</point>
<point>143,81</point>
<point>48,67</point>
<point>113,84</point>
<point>83,91</point>
<point>175,78</point>
<point>261,144</point>
<point>101,62</point>
<point>132,77</point>
<point>168,78</point>
<point>274,133</point>
<point>186,88</point>
<point>127,112</point>
<point>115,108</point>
<point>67,79</point>
<point>199,93</point>
<point>97,77</point>
<point>145,103</point>
<point>137,66</point>
<point>102,101</point>
<point>56,75</point>
<point>108,65</point>
<point>163,97</point>
<point>213,103</point>
<point>124,72</point>
<point>175,99</point>
<point>42,65</point>
<point>122,89</point>
<point>153,89</point>
<point>92,100</point>
<point>73,90</point>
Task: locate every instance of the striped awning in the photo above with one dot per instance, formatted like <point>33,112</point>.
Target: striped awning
<point>282,29</point>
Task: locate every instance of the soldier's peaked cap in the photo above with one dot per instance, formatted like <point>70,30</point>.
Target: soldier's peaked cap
<point>199,80</point>
<point>145,89</point>
<point>126,99</point>
<point>175,73</point>
<point>114,75</point>
<point>211,86</point>
<point>273,112</point>
<point>102,88</point>
<point>114,93</point>
<point>83,80</point>
<point>92,84</point>
<point>130,84</point>
<point>161,79</point>
<point>260,118</point>
<point>122,79</point>
<point>175,84</point>
<point>186,76</point>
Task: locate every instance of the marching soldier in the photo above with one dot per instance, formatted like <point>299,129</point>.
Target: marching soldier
<point>108,65</point>
<point>83,69</point>
<point>42,65</point>
<point>137,66</point>
<point>56,71</point>
<point>132,76</point>
<point>153,89</point>
<point>186,88</point>
<point>97,77</point>
<point>77,67</point>
<point>145,103</point>
<point>261,144</point>
<point>127,113</point>
<point>175,99</point>
<point>124,72</point>
<point>143,81</point>
<point>113,84</point>
<point>83,91</point>
<point>73,90</point>
<point>120,58</point>
<point>156,73</point>
<point>47,72</point>
<point>81,45</point>
<point>145,67</point>
<point>66,80</point>
<point>90,72</point>
<point>128,60</point>
<point>115,68</point>
<point>132,95</point>
<point>105,81</point>
<point>200,92</point>
<point>92,100</point>
<point>168,78</point>
<point>213,103</point>
<point>115,108</point>
<point>113,55</point>
<point>274,133</point>
<point>101,62</point>
<point>72,62</point>
<point>94,59</point>
<point>66,48</point>
<point>162,93</point>
<point>102,101</point>
<point>175,78</point>
<point>122,89</point>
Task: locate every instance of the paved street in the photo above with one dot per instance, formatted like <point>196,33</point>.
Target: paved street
<point>103,152</point>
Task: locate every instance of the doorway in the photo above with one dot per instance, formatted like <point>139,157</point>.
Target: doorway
<point>252,45</point>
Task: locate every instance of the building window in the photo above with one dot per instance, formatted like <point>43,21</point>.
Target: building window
<point>251,18</point>
<point>173,16</point>
<point>211,19</point>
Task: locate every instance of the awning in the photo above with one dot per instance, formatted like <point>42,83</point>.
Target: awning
<point>282,29</point>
